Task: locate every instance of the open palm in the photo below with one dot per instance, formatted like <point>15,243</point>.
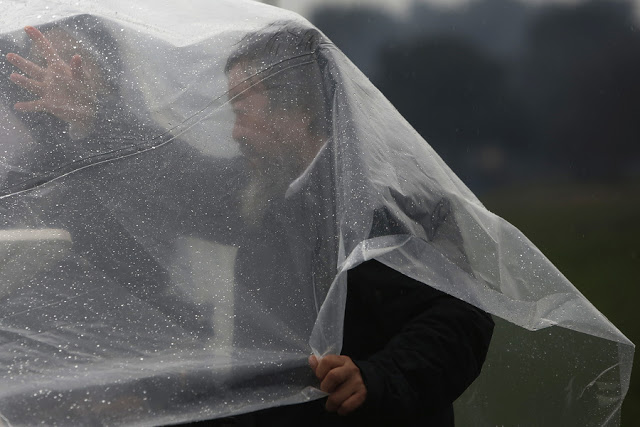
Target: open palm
<point>63,89</point>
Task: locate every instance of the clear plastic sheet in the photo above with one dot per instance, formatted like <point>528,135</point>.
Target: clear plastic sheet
<point>165,261</point>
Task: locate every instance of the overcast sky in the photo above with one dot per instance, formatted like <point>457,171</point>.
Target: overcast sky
<point>304,7</point>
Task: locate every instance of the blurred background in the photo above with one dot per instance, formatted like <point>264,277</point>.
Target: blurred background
<point>535,104</point>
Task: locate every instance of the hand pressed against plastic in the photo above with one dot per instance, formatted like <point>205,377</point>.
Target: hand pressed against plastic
<point>66,90</point>
<point>341,378</point>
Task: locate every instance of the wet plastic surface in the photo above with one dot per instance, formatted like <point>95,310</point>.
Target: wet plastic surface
<point>192,234</point>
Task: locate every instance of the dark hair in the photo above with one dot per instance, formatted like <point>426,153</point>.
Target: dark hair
<point>287,60</point>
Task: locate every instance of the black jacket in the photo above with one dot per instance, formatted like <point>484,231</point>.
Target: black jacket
<point>417,348</point>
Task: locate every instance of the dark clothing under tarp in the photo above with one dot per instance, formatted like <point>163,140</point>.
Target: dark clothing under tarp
<point>417,348</point>
<point>199,210</point>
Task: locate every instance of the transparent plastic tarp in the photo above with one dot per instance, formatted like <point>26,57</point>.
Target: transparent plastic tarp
<point>173,256</point>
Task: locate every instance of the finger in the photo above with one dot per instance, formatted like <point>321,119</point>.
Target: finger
<point>43,44</point>
<point>352,403</point>
<point>327,363</point>
<point>341,394</point>
<point>334,379</point>
<point>31,106</point>
<point>76,68</point>
<point>31,85</point>
<point>313,362</point>
<point>26,66</point>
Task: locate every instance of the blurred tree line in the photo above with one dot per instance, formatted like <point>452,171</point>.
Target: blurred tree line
<point>534,107</point>
<point>507,91</point>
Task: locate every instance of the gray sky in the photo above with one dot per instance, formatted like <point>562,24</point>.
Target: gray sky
<point>303,7</point>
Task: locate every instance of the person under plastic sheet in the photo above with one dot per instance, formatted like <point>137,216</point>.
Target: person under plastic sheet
<point>56,127</point>
<point>409,350</point>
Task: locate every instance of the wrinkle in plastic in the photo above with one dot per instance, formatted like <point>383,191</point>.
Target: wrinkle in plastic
<point>177,255</point>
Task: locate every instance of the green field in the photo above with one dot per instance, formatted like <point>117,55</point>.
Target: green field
<point>592,234</point>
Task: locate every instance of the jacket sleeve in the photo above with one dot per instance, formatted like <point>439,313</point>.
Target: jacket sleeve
<point>422,347</point>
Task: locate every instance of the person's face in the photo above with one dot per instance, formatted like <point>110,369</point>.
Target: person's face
<point>257,128</point>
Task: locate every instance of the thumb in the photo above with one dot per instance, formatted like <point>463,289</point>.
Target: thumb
<point>313,362</point>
